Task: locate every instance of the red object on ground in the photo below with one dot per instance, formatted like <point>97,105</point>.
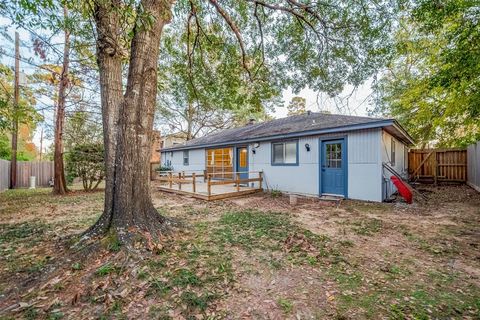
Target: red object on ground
<point>403,189</point>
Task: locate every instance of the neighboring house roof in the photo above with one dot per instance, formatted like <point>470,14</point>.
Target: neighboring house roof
<point>294,126</point>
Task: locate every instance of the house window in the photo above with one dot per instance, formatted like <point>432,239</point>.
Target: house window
<point>392,153</point>
<point>243,158</point>
<point>285,153</point>
<point>185,157</point>
<point>334,155</point>
<point>219,163</point>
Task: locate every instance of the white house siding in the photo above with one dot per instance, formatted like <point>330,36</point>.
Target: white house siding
<point>301,179</point>
<point>364,166</point>
<point>401,162</point>
<point>196,160</point>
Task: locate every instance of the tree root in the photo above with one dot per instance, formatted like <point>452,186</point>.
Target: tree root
<point>148,232</point>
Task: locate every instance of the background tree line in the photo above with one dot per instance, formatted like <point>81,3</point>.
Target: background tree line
<point>431,83</point>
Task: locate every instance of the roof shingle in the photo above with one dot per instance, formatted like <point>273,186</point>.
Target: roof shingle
<point>293,124</point>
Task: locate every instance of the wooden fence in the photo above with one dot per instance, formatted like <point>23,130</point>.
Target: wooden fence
<point>473,170</point>
<point>437,165</point>
<point>42,170</point>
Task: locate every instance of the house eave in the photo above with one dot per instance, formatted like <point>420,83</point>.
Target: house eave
<point>408,137</point>
<point>371,125</point>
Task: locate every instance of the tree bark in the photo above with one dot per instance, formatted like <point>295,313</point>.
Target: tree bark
<point>109,60</point>
<point>60,183</point>
<point>128,121</point>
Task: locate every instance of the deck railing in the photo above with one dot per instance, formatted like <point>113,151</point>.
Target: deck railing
<point>192,177</point>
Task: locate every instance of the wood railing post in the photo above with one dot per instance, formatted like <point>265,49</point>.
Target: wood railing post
<point>204,175</point>
<point>179,181</point>
<point>209,186</point>
<point>238,181</point>
<point>194,189</point>
<point>170,180</point>
<point>260,175</point>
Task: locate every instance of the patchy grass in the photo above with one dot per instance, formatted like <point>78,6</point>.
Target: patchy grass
<point>367,227</point>
<point>285,304</point>
<point>106,269</point>
<point>250,258</point>
<point>251,229</point>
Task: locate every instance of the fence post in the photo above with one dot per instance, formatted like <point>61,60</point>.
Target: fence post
<point>170,180</point>
<point>238,182</point>
<point>260,175</point>
<point>209,186</point>
<point>204,175</point>
<point>179,181</point>
<point>193,181</point>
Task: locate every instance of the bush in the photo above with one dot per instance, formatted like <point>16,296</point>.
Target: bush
<point>164,168</point>
<point>86,162</point>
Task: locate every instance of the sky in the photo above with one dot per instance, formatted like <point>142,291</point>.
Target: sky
<point>356,104</point>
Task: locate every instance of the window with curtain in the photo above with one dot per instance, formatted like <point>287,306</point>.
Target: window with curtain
<point>285,153</point>
<point>185,158</point>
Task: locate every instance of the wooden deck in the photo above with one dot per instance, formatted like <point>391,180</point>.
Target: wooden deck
<point>205,186</point>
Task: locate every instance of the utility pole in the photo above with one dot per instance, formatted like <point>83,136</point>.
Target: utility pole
<point>13,165</point>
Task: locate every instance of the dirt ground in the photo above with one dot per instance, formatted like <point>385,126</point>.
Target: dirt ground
<point>256,257</point>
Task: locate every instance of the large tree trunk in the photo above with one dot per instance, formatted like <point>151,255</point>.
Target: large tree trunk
<point>128,122</point>
<point>109,59</point>
<point>60,183</point>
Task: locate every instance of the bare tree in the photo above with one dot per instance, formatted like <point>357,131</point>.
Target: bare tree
<point>193,120</point>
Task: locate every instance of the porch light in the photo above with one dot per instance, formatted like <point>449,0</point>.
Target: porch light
<point>307,146</point>
<point>255,146</point>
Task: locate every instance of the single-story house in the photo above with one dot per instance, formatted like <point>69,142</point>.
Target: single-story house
<point>312,154</point>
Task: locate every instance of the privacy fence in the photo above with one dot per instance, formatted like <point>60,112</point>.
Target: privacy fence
<point>473,169</point>
<point>42,170</point>
<point>437,165</point>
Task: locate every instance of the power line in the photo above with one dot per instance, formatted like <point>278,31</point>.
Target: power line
<point>47,69</point>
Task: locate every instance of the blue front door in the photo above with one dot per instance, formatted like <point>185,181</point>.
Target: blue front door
<point>333,167</point>
<point>242,162</point>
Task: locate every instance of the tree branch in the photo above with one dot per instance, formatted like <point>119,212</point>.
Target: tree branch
<point>236,31</point>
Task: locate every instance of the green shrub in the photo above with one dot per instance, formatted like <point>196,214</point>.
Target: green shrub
<point>86,161</point>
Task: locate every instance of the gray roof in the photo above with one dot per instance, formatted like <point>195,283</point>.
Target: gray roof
<point>299,125</point>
